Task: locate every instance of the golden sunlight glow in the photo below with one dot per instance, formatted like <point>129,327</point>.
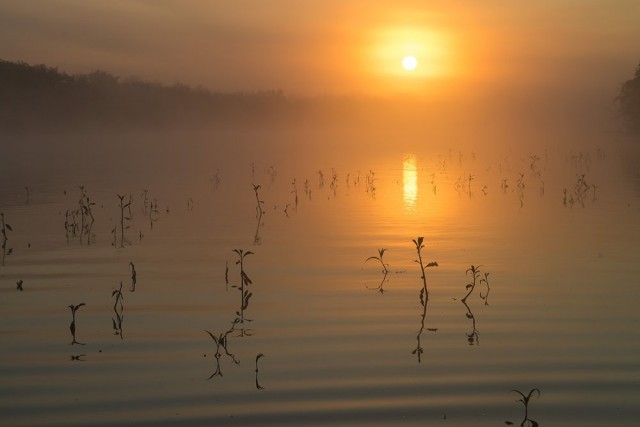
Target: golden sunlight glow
<point>410,182</point>
<point>409,62</point>
<point>427,47</point>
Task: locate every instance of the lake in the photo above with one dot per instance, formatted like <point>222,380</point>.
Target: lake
<point>311,331</point>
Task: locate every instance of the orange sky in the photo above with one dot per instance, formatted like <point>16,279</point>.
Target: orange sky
<point>332,46</point>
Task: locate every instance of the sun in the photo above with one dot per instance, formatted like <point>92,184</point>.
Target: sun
<point>409,62</point>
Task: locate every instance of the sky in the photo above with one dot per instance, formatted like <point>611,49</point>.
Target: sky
<point>333,47</point>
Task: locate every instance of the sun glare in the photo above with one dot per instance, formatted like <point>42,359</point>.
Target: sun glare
<point>406,57</point>
<point>409,62</point>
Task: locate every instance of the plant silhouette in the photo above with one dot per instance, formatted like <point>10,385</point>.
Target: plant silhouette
<point>123,206</point>
<point>72,326</point>
<point>86,215</point>
<point>259,203</point>
<point>424,293</point>
<point>526,421</point>
<point>381,252</point>
<point>245,281</point>
<point>475,274</point>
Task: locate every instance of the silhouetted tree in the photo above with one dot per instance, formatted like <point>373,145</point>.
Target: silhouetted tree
<point>629,99</point>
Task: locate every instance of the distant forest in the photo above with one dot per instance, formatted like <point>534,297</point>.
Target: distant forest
<point>41,98</point>
<point>37,97</point>
<point>629,102</point>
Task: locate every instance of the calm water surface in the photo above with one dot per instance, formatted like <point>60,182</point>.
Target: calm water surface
<point>342,343</point>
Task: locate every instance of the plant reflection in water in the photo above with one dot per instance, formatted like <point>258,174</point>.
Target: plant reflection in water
<point>72,326</point>
<point>118,310</point>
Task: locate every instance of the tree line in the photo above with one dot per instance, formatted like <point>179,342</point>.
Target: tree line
<point>38,97</point>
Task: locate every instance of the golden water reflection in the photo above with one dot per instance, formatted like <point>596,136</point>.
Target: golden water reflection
<point>409,182</point>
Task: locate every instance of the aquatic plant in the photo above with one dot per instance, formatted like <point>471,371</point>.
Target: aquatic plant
<point>307,188</point>
<point>581,188</point>
<point>294,191</point>
<point>5,238</point>
<point>145,202</point>
<point>424,293</point>
<point>245,281</point>
<point>259,203</point>
<point>70,223</point>
<point>320,179</point>
<point>118,309</point>
<point>580,191</point>
<point>525,402</point>
<point>72,326</point>
<point>258,386</point>
<point>86,214</point>
<point>520,186</point>
<point>154,213</point>
<point>123,218</point>
<point>80,220</point>
<point>504,185</point>
<point>334,181</point>
<point>381,252</point>
<point>475,274</point>
<point>371,183</point>
<point>259,212</point>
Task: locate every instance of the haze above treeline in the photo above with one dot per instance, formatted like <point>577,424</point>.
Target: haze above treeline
<point>40,97</point>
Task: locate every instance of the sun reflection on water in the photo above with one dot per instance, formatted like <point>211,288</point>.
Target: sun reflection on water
<point>409,183</point>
